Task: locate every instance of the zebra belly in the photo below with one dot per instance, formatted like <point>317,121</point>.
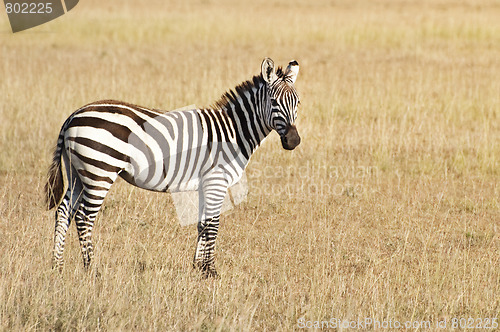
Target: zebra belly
<point>185,170</point>
<point>143,176</point>
<point>164,151</point>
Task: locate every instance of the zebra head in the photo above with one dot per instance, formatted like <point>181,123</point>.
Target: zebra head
<point>282,101</point>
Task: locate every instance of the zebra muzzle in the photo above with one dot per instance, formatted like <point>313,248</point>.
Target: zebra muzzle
<point>291,138</point>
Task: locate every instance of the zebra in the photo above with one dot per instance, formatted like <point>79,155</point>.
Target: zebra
<point>205,149</point>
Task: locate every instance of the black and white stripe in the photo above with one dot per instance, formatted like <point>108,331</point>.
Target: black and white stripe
<point>200,149</point>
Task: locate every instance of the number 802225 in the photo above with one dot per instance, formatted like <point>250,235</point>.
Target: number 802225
<point>474,323</point>
<point>28,8</point>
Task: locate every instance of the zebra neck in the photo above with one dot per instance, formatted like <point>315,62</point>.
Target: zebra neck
<point>247,116</point>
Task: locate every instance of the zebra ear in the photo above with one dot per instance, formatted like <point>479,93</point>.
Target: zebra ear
<point>292,71</point>
<point>267,69</point>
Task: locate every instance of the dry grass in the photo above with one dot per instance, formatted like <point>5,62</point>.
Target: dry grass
<point>388,209</point>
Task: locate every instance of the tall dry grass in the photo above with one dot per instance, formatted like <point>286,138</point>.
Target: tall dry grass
<point>389,209</point>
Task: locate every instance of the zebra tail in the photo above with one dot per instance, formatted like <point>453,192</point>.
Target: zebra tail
<point>54,186</point>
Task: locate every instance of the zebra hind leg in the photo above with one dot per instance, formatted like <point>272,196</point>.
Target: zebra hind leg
<point>204,257</point>
<point>84,227</point>
<point>64,213</point>
<point>84,220</point>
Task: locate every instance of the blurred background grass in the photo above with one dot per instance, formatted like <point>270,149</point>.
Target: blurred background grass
<point>388,209</point>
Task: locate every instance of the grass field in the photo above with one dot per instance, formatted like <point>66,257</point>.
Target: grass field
<point>389,209</point>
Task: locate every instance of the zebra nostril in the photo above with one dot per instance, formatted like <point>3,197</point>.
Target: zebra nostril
<point>291,138</point>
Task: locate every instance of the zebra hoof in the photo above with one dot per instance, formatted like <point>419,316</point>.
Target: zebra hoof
<point>211,273</point>
<point>207,271</point>
<point>58,267</point>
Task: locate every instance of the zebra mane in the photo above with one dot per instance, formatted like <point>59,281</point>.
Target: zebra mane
<point>229,97</point>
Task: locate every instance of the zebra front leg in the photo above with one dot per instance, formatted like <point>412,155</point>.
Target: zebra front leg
<point>205,249</point>
<point>211,196</point>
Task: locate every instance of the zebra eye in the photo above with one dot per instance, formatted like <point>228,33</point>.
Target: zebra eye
<point>274,103</point>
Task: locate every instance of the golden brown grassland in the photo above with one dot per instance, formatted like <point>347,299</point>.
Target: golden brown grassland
<point>388,209</point>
